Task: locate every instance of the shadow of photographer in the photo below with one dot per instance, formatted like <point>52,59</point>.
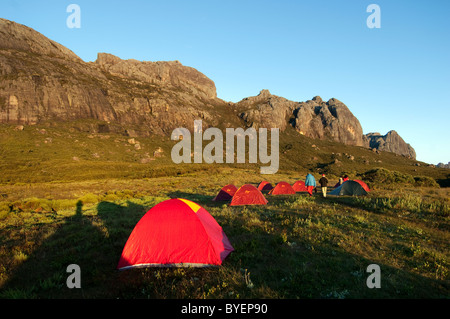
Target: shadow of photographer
<point>92,241</point>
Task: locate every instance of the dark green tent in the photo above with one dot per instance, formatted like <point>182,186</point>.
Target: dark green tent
<point>349,188</point>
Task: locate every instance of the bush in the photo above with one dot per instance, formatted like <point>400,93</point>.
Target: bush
<point>425,181</point>
<point>89,198</point>
<point>4,210</point>
<point>382,176</point>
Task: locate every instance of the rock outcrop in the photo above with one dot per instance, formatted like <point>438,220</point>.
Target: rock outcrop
<point>266,110</point>
<point>169,74</point>
<point>15,36</point>
<point>313,118</point>
<point>442,165</point>
<point>318,119</point>
<point>44,81</point>
<point>41,80</point>
<point>391,142</point>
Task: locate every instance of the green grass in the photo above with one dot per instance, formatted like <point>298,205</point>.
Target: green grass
<point>295,247</point>
<point>55,211</point>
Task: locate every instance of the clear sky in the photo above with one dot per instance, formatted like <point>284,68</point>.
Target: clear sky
<point>394,77</point>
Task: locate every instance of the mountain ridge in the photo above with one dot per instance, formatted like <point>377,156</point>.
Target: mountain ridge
<point>43,80</point>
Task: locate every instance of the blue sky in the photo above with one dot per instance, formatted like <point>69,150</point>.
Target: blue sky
<point>395,77</point>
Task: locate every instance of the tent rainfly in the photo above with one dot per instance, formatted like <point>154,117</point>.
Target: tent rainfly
<point>351,188</point>
<point>226,193</point>
<point>175,233</point>
<point>282,188</point>
<point>248,195</point>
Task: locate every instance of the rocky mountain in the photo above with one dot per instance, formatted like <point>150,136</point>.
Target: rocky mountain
<point>391,142</point>
<point>442,165</point>
<point>314,118</point>
<point>265,110</point>
<point>171,73</point>
<point>42,80</point>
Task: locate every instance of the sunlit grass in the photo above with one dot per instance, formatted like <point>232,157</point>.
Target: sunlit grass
<point>296,246</point>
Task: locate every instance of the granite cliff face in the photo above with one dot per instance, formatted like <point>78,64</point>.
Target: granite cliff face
<point>266,110</point>
<point>391,142</point>
<point>332,119</point>
<point>168,74</point>
<point>41,80</point>
<point>314,118</point>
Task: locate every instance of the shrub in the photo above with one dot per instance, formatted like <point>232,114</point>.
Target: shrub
<point>425,181</point>
<point>4,210</point>
<point>89,198</point>
<point>382,176</point>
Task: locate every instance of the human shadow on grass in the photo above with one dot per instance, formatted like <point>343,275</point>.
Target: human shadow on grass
<point>93,242</point>
<point>278,269</point>
<point>43,274</point>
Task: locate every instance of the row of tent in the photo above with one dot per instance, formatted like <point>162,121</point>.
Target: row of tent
<point>180,233</point>
<point>251,195</point>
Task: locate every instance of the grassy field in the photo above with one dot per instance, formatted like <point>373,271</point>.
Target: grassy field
<point>56,211</point>
<point>295,247</point>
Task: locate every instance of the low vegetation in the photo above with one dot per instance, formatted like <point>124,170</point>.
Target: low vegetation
<point>56,211</point>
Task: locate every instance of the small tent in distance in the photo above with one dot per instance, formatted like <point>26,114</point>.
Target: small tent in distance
<point>176,232</point>
<point>299,186</point>
<point>248,195</point>
<point>226,193</point>
<point>364,185</point>
<point>265,186</point>
<point>350,188</point>
<point>282,188</point>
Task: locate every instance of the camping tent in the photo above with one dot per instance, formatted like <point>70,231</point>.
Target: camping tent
<point>349,188</point>
<point>265,186</point>
<point>248,195</point>
<point>175,232</point>
<point>299,186</point>
<point>364,185</point>
<point>282,188</point>
<point>226,193</point>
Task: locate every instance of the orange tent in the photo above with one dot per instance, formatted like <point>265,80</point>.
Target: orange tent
<point>282,188</point>
<point>248,195</point>
<point>299,186</point>
<point>265,186</point>
<point>226,193</point>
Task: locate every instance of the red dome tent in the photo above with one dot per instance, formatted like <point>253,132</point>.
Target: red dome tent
<point>364,185</point>
<point>176,232</point>
<point>299,186</point>
<point>248,195</point>
<point>282,188</point>
<point>226,193</point>
<point>265,186</point>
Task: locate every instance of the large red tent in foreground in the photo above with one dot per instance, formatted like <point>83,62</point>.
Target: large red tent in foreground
<point>176,232</point>
<point>248,195</point>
